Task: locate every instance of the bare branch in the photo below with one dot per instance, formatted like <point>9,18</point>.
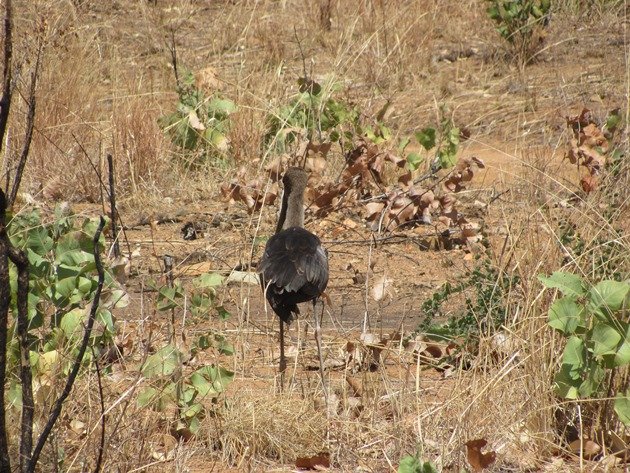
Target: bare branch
<point>5,297</point>
<point>30,124</point>
<point>5,101</point>
<point>26,376</point>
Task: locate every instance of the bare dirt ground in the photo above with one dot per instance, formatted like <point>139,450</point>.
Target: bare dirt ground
<point>386,403</point>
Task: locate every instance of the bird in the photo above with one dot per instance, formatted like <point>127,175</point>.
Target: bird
<point>294,265</point>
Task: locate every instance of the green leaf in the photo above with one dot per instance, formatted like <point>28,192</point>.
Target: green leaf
<point>574,355</point>
<point>613,120</point>
<point>569,284</point>
<point>72,323</point>
<point>163,362</point>
<point>221,106</point>
<point>222,312</point>
<point>567,382</point>
<point>605,339</point>
<point>411,464</point>
<point>208,280</point>
<point>414,160</point>
<point>608,295</point>
<point>566,315</point>
<point>403,144</point>
<point>426,137</point>
<point>14,395</point>
<point>594,376</point>
<point>217,375</point>
<point>147,396</point>
<point>622,407</point>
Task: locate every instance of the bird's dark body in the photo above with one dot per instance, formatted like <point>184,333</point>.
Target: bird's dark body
<point>293,269</point>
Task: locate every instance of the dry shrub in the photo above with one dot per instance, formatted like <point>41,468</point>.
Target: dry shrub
<point>267,427</point>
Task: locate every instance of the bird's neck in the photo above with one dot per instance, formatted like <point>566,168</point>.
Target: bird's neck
<point>292,210</point>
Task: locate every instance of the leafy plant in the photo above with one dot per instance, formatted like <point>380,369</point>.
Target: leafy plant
<point>485,289</point>
<point>517,20</point>
<point>171,384</point>
<point>199,123</point>
<point>313,113</point>
<point>444,138</point>
<point>413,464</point>
<point>595,323</point>
<point>62,283</point>
<point>187,393</point>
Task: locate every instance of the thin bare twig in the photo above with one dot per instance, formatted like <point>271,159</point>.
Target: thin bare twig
<point>30,124</point>
<point>112,204</point>
<point>101,446</point>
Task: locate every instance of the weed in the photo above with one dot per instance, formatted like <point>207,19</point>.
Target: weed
<point>200,124</point>
<point>517,22</point>
<point>485,290</point>
<point>594,321</point>
<point>172,386</point>
<point>62,283</point>
<point>312,114</point>
<point>413,464</point>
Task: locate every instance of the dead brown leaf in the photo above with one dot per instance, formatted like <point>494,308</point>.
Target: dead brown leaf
<point>316,462</point>
<point>478,460</point>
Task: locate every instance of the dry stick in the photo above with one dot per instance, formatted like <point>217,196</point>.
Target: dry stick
<point>168,272</point>
<point>101,446</point>
<point>26,376</point>
<point>30,124</point>
<point>56,410</point>
<point>112,205</point>
<point>5,297</point>
<point>102,184</point>
<point>5,101</point>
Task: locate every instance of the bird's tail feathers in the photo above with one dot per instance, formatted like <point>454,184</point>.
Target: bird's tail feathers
<point>286,312</point>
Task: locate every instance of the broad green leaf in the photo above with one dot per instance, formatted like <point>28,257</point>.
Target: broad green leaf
<point>447,159</point>
<point>147,396</point>
<point>219,377</point>
<point>193,410</point>
<point>414,160</point>
<point>608,295</point>
<point>594,376</point>
<point>47,361</point>
<point>622,407</point>
<point>208,280</point>
<point>566,315</point>
<point>105,317</point>
<point>567,382</point>
<point>163,362</point>
<point>622,356</point>
<point>605,339</point>
<point>569,284</point>
<point>168,298</point>
<point>72,323</point>
<point>426,137</point>
<point>64,287</point>
<point>14,395</point>
<point>574,355</point>
<point>202,384</point>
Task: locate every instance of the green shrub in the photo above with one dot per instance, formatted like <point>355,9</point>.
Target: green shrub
<point>200,124</point>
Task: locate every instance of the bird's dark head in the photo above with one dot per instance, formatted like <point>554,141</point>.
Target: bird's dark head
<point>295,180</point>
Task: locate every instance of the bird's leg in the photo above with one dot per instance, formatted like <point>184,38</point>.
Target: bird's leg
<point>318,340</point>
<point>283,362</point>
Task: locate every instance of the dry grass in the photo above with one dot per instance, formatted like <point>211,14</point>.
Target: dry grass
<point>108,77</point>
